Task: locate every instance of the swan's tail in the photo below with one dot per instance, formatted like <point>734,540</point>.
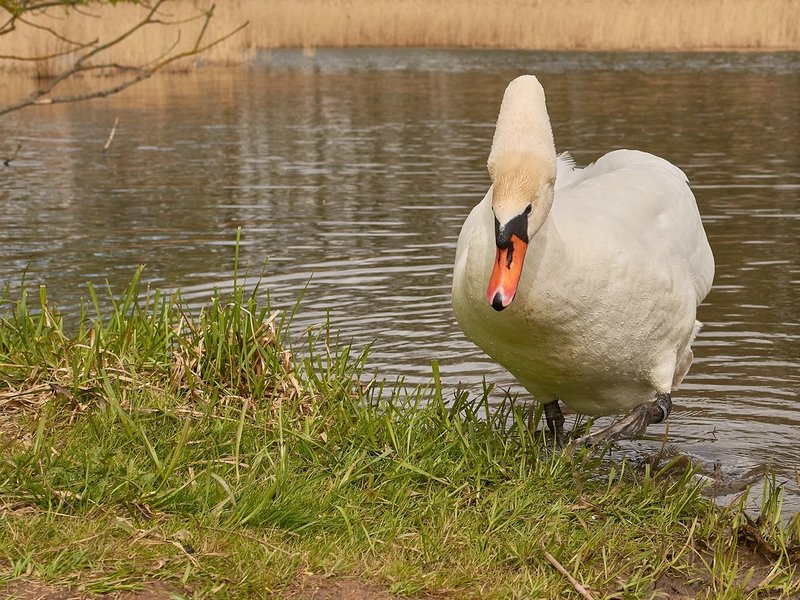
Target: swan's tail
<point>685,360</point>
<point>697,327</point>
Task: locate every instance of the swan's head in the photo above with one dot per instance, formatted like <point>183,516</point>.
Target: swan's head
<point>521,200</point>
<point>522,165</point>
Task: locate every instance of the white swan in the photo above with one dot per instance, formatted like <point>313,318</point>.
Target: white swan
<point>616,261</point>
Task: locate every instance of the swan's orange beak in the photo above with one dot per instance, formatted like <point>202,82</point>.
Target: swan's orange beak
<point>506,273</point>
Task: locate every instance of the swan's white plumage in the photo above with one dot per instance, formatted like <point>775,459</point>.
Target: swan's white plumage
<point>605,311</point>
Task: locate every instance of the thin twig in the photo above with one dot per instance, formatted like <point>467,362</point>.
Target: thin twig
<point>558,567</point>
<point>7,161</point>
<point>166,53</point>
<point>209,14</point>
<point>40,6</point>
<point>9,25</point>
<point>111,135</point>
<point>55,33</point>
<point>44,57</point>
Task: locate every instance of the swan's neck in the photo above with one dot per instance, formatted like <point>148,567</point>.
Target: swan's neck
<point>549,237</point>
<point>522,162</point>
<point>523,135</point>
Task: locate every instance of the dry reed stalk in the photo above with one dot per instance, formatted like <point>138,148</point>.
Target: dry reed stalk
<point>573,582</point>
<point>513,24</point>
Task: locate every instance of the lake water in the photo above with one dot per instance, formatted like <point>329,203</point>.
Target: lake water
<point>350,172</point>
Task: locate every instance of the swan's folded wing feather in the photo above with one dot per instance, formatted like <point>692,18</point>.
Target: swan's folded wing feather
<point>628,191</point>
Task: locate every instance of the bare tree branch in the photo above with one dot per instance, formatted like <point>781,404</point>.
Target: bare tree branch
<point>18,18</point>
<point>144,74</point>
<point>86,53</point>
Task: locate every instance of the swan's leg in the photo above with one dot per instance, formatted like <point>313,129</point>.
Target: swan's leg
<point>555,421</point>
<point>634,424</point>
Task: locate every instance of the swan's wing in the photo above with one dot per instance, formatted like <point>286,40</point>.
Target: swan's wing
<point>632,191</point>
<point>688,241</point>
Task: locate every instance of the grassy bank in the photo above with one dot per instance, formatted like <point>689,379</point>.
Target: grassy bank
<point>566,25</point>
<point>215,455</point>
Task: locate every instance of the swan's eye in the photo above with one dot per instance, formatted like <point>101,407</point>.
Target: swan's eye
<point>528,210</point>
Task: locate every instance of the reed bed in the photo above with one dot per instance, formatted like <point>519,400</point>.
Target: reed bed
<point>223,455</point>
<point>536,24</point>
<point>511,24</point>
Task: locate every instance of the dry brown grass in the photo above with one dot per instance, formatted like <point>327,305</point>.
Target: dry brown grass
<point>514,24</point>
<point>529,24</point>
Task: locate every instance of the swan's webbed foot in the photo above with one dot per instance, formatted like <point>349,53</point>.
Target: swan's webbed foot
<point>555,421</point>
<point>634,424</point>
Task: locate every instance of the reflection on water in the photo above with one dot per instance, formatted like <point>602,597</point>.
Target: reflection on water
<point>353,171</point>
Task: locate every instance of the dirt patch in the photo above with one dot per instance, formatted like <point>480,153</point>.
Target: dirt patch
<point>676,587</point>
<point>31,590</point>
<point>318,587</point>
<point>35,590</point>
